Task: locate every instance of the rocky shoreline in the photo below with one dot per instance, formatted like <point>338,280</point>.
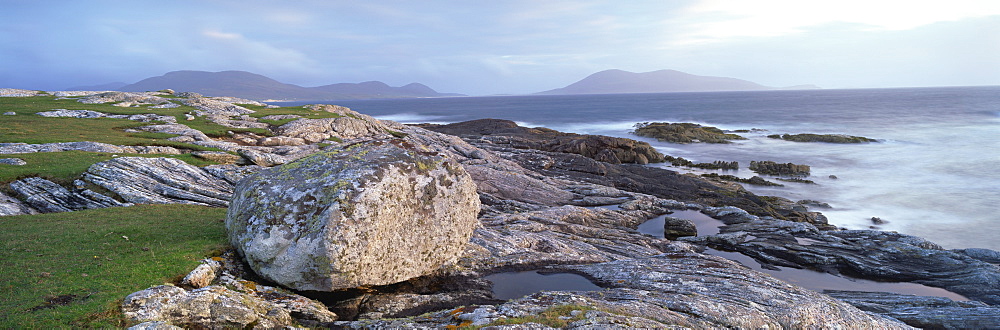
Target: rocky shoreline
<point>535,192</point>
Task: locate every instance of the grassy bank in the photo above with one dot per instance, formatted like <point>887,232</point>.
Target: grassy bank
<point>73,269</point>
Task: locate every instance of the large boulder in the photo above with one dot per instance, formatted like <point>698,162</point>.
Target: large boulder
<point>368,214</point>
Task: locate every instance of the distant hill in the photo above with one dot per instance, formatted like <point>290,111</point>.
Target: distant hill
<point>257,87</point>
<point>662,81</point>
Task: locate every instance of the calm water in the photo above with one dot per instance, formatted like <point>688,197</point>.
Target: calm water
<point>934,175</point>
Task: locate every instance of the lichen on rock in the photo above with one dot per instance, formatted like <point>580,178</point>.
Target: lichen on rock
<point>367,214</point>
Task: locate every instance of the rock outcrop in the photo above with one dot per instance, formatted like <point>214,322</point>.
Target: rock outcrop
<point>12,206</point>
<point>221,299</point>
<point>684,133</point>
<point>602,148</point>
<point>369,214</point>
<point>828,138</point>
<point>351,125</point>
<point>159,181</point>
<point>23,148</point>
<point>869,254</point>
<point>49,197</point>
<point>94,114</point>
<point>923,312</point>
<point>773,168</point>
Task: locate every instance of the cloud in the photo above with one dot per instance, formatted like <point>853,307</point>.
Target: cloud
<point>721,20</point>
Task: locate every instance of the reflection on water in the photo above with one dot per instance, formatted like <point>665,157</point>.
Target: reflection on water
<point>818,281</point>
<point>519,284</point>
<point>706,225</point>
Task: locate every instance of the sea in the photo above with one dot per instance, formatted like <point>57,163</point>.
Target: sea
<point>935,172</point>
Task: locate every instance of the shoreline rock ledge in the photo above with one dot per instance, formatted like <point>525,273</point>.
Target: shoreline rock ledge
<point>367,214</point>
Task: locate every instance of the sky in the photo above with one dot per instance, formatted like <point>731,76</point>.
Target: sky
<point>503,47</point>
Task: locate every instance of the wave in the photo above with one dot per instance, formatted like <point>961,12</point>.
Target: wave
<point>413,118</point>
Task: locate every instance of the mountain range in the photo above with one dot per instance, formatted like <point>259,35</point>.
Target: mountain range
<point>661,81</point>
<point>257,87</point>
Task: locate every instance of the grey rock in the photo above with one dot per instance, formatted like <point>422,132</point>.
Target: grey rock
<point>924,312</point>
<point>280,141</point>
<point>231,173</point>
<point>560,235</point>
<point>701,291</point>
<point>677,227</point>
<point>868,254</point>
<point>368,214</point>
<point>263,159</point>
<point>210,307</point>
<point>280,117</point>
<point>217,156</point>
<point>203,275</point>
<point>159,181</point>
<point>13,161</point>
<point>20,148</point>
<point>71,113</point>
<point>178,129</point>
<point>124,99</point>
<point>48,197</point>
<point>219,298</point>
<point>985,255</point>
<point>213,106</point>
<point>154,325</point>
<point>12,206</point>
<point>13,92</point>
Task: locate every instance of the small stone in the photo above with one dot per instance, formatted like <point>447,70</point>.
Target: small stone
<point>878,221</point>
<point>203,275</point>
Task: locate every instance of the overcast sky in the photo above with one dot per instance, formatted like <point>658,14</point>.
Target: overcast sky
<point>503,47</point>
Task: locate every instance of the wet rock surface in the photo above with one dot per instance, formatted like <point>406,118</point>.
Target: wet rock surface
<point>774,168</point>
<point>923,312</point>
<point>828,138</point>
<point>367,214</point>
<point>868,254</point>
<point>602,148</point>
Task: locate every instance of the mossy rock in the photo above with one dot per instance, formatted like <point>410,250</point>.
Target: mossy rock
<point>684,133</point>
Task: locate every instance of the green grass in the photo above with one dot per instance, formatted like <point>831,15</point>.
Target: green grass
<point>64,167</point>
<point>27,124</point>
<point>82,259</point>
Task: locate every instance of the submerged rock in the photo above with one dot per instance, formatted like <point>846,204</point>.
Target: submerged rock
<point>828,138</point>
<point>773,168</point>
<point>368,214</point>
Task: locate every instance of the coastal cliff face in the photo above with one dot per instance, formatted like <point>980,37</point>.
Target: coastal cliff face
<point>528,201</point>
